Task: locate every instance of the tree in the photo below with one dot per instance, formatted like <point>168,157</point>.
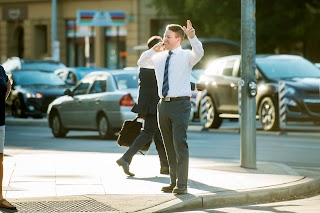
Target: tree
<point>284,26</point>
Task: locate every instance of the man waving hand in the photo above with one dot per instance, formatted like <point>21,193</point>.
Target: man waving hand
<point>173,66</point>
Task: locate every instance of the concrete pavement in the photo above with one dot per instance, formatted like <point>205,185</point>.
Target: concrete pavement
<point>82,182</point>
<point>49,182</point>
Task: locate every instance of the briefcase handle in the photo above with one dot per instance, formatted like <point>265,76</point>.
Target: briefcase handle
<point>136,118</point>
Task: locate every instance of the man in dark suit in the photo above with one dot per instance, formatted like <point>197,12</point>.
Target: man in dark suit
<point>147,109</point>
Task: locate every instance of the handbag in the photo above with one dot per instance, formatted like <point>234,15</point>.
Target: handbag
<point>129,132</point>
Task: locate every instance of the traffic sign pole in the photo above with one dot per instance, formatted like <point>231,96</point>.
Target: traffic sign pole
<point>248,86</point>
<point>54,42</point>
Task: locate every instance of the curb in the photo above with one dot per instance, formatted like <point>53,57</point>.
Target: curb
<point>289,191</point>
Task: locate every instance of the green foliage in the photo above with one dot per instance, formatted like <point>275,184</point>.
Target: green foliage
<point>280,24</point>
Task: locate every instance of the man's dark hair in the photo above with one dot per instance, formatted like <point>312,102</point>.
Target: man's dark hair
<point>177,29</point>
<point>153,40</point>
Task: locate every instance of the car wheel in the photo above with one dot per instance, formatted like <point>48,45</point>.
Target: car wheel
<point>56,126</point>
<point>210,114</point>
<point>268,114</point>
<point>103,127</point>
<point>16,109</point>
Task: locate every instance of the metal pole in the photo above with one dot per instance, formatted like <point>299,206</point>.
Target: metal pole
<point>118,47</point>
<point>54,29</point>
<point>248,102</point>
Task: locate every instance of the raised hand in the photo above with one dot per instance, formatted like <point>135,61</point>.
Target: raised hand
<point>189,30</point>
<point>159,47</point>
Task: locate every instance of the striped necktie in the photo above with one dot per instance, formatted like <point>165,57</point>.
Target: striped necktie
<point>165,85</point>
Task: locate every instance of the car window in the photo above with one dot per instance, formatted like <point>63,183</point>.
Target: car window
<point>81,89</point>
<point>228,69</point>
<point>126,80</point>
<point>83,86</point>
<point>28,78</point>
<point>215,67</point>
<point>287,68</point>
<point>98,87</point>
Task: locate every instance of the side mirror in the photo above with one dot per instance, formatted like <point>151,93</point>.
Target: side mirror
<point>70,82</point>
<point>68,92</point>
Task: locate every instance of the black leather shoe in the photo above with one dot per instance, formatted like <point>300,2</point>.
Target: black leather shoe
<point>180,191</point>
<point>168,189</point>
<point>164,170</point>
<point>125,166</point>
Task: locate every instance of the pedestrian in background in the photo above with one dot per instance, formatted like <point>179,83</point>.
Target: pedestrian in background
<point>5,88</point>
<point>173,68</point>
<point>147,109</point>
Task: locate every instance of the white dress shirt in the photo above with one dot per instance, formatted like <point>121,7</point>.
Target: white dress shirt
<point>180,67</point>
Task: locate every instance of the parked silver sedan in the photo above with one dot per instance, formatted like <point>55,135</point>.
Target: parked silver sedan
<point>101,101</point>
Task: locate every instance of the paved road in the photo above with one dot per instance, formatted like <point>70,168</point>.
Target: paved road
<point>300,150</point>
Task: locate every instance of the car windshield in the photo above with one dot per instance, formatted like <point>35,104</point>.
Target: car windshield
<point>47,66</point>
<point>287,68</point>
<point>126,80</point>
<point>28,78</point>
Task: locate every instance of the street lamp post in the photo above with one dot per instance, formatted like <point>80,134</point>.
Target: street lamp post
<point>248,85</point>
<point>55,47</point>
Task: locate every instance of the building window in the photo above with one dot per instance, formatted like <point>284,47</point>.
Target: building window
<point>81,38</point>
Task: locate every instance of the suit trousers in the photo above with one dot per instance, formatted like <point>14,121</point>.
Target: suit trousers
<point>174,119</point>
<point>149,132</point>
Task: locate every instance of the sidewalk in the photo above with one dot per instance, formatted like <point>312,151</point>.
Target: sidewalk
<point>77,182</point>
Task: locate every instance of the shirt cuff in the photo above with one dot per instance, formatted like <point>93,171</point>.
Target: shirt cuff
<point>194,39</point>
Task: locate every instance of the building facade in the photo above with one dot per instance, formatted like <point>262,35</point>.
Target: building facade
<point>27,30</point>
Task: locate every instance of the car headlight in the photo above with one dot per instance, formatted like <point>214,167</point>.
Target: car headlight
<point>290,90</point>
<point>32,95</point>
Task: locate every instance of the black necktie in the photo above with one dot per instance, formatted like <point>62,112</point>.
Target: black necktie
<point>165,85</point>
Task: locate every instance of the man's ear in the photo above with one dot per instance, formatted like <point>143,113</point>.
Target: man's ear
<point>180,39</point>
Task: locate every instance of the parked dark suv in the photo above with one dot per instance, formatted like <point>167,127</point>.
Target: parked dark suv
<point>302,94</point>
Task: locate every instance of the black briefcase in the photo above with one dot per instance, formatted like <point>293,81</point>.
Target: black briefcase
<point>129,131</point>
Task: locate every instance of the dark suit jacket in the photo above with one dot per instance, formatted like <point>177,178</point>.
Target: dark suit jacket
<point>148,92</point>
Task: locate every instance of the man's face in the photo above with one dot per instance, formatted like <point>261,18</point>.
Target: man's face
<point>170,40</point>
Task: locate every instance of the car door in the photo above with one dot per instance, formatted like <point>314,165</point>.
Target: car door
<point>226,87</point>
<point>72,111</point>
<point>94,100</point>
